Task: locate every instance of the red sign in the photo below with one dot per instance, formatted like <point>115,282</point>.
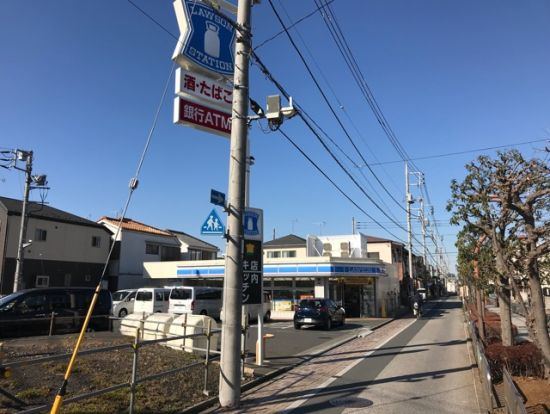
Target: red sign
<point>201,117</point>
<point>204,89</point>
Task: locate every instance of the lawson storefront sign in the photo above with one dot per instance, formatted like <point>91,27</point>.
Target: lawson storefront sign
<point>206,39</point>
<point>340,270</point>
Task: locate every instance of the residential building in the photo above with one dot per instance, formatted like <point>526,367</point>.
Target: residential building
<point>194,249</point>
<point>136,243</point>
<point>61,249</point>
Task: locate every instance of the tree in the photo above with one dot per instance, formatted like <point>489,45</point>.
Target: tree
<point>472,204</point>
<point>508,200</point>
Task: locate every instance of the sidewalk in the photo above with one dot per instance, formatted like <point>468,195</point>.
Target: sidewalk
<point>517,319</point>
<point>419,366</point>
<point>279,394</point>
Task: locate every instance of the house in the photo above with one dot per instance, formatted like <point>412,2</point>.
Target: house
<point>61,249</point>
<point>194,249</point>
<point>136,243</point>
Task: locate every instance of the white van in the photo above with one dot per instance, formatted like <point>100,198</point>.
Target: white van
<point>253,311</point>
<point>123,302</point>
<point>197,300</point>
<point>151,300</point>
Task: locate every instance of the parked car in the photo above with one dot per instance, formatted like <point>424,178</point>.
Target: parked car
<point>320,312</point>
<point>123,302</point>
<point>29,312</point>
<point>151,300</point>
<point>197,300</point>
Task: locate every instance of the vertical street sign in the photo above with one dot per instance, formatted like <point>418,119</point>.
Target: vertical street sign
<point>206,39</point>
<point>252,272</point>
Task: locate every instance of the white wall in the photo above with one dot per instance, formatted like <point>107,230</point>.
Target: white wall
<point>64,241</point>
<point>357,244</point>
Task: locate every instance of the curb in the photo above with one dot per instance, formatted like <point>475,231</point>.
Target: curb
<point>211,404</point>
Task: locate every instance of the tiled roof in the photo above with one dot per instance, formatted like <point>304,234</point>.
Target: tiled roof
<point>44,212</point>
<point>193,241</point>
<point>290,240</point>
<point>129,224</point>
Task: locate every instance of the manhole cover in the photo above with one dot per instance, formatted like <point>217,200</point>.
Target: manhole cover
<point>351,402</point>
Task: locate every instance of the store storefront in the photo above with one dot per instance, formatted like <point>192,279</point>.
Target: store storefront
<point>351,283</point>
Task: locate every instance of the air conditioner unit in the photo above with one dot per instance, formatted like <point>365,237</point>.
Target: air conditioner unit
<point>327,247</point>
<point>344,246</point>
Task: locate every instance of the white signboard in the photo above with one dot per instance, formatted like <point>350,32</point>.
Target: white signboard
<point>206,90</point>
<point>253,224</point>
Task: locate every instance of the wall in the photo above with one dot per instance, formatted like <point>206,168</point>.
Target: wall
<point>383,249</point>
<point>64,241</point>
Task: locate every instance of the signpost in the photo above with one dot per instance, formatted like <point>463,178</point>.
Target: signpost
<point>213,224</point>
<point>252,273</point>
<point>217,198</point>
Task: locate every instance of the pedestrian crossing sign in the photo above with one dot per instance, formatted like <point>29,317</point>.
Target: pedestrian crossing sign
<point>213,224</point>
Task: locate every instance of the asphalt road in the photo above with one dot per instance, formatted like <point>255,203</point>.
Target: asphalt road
<point>290,346</point>
<point>426,368</point>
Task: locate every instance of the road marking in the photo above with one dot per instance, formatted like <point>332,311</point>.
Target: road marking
<point>316,391</point>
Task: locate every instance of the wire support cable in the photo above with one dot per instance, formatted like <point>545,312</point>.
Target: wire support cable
<point>58,401</point>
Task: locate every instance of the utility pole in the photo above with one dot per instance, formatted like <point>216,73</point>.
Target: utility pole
<point>409,227</point>
<point>17,279</point>
<point>423,220</point>
<point>230,376</point>
<point>353,225</point>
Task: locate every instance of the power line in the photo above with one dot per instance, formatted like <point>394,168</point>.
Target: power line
<point>316,82</point>
<point>449,154</point>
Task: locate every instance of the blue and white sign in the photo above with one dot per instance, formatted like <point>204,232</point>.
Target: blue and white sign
<point>206,39</point>
<point>253,224</point>
<point>213,224</point>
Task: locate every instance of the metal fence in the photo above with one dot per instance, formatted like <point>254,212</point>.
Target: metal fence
<point>513,399</point>
<point>134,380</point>
<point>483,365</point>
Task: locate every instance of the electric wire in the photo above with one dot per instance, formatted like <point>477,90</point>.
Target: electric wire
<point>334,183</point>
<point>341,106</point>
<point>320,89</point>
<point>290,27</point>
<point>301,112</point>
<point>450,154</point>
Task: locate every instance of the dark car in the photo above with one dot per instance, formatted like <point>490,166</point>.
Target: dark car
<point>320,312</point>
<point>29,312</point>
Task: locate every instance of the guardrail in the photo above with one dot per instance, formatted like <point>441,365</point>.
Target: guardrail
<point>483,366</point>
<point>512,397</point>
<point>138,343</point>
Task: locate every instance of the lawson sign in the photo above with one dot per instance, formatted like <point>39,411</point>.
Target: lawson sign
<point>206,39</point>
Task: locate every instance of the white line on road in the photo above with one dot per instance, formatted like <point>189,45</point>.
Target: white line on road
<point>316,391</point>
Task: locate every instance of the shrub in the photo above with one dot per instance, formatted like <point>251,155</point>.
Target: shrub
<point>523,359</point>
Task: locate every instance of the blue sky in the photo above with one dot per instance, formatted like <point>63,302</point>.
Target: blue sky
<point>81,81</point>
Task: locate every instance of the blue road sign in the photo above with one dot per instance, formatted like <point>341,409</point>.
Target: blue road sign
<point>217,198</point>
<point>253,224</point>
<point>213,224</point>
<point>210,40</point>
